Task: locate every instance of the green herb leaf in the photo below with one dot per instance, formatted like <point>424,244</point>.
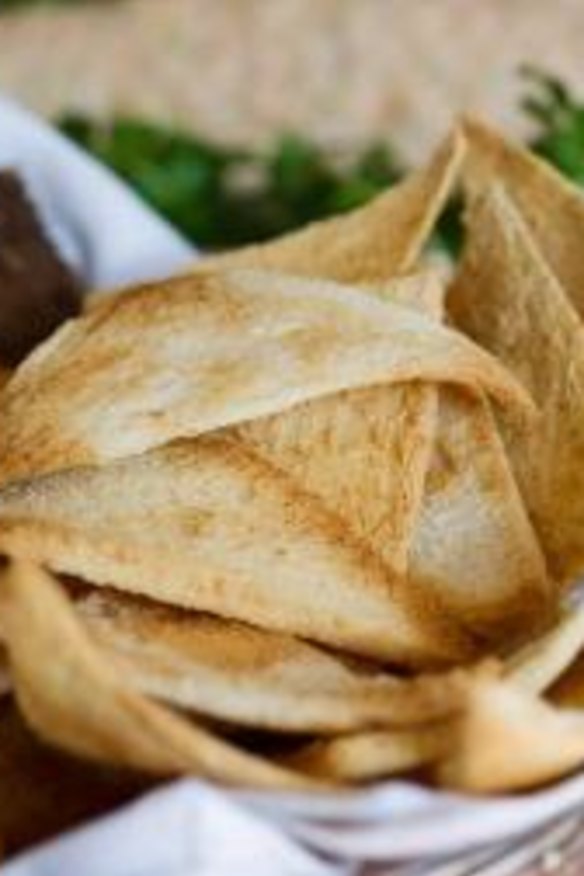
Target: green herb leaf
<point>559,120</point>
<point>224,197</point>
<point>221,197</point>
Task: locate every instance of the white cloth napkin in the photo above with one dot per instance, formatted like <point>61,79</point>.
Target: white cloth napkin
<point>192,828</point>
<point>189,830</point>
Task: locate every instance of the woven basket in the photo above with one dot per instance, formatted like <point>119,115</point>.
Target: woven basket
<point>557,850</point>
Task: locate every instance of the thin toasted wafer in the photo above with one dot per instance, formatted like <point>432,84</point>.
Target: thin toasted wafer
<point>73,698</point>
<point>474,551</point>
<point>469,545</point>
<point>471,550</point>
<point>542,661</point>
<point>364,453</point>
<point>506,297</point>
<point>202,352</point>
<point>462,532</point>
<point>510,740</point>
<point>368,245</point>
<point>375,754</point>
<point>205,524</point>
<point>252,677</point>
<point>395,516</point>
<point>346,448</point>
<point>551,205</point>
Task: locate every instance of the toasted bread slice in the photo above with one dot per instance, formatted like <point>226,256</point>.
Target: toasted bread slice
<point>551,205</point>
<point>74,698</point>
<point>542,661</point>
<point>205,524</point>
<point>374,754</point>
<point>252,677</point>
<point>510,740</point>
<point>507,298</point>
<point>364,453</point>
<point>462,535</point>
<point>202,352</point>
<point>474,553</point>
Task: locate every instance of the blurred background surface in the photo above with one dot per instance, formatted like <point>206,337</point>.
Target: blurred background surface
<point>341,71</point>
<point>242,119</point>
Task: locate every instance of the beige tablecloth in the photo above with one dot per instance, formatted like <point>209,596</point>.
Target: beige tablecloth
<point>342,70</point>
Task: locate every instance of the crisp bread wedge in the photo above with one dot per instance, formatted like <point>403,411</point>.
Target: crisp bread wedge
<point>251,677</point>
<point>507,298</point>
<point>385,431</point>
<point>207,525</point>
<point>546,659</point>
<point>551,206</point>
<point>364,453</point>
<point>202,352</point>
<point>368,245</point>
<point>510,740</point>
<point>470,549</point>
<point>74,698</point>
<point>376,511</point>
<point>474,553</point>
<point>463,535</point>
<point>375,754</point>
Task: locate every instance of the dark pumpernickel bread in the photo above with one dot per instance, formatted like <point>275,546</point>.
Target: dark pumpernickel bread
<point>37,290</point>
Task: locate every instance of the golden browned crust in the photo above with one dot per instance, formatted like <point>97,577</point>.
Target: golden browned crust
<point>79,702</point>
<point>377,754</point>
<point>551,206</point>
<point>252,677</point>
<point>208,525</point>
<point>283,472</point>
<point>195,354</point>
<point>507,298</point>
<point>509,740</point>
<point>474,551</point>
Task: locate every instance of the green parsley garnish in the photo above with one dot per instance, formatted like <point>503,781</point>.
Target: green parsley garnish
<point>222,197</point>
